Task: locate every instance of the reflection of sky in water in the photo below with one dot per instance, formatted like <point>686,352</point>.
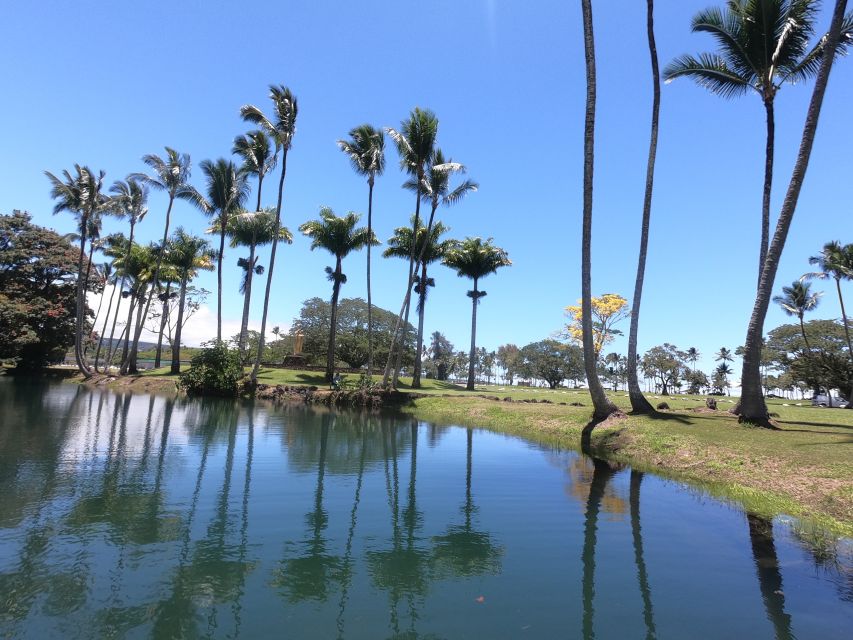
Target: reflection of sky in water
<point>263,520</point>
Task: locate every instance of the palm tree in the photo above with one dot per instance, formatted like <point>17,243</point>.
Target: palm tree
<point>692,356</point>
<point>281,132</point>
<point>110,278</point>
<point>259,158</point>
<point>836,262</point>
<point>137,269</point>
<point>168,277</point>
<point>81,195</point>
<point>415,142</point>
<point>366,152</point>
<point>400,246</point>
<point>639,404</point>
<point>188,254</point>
<point>171,175</point>
<point>724,355</point>
<point>724,370</point>
<point>602,406</point>
<point>227,189</point>
<point>796,301</point>
<point>473,258</point>
<point>338,236</point>
<point>763,45</point>
<point>252,229</point>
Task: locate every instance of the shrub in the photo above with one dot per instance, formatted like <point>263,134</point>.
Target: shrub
<point>216,371</point>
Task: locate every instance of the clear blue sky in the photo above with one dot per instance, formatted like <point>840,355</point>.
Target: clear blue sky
<point>104,83</point>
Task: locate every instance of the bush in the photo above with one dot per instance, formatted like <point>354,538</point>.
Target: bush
<point>216,371</point>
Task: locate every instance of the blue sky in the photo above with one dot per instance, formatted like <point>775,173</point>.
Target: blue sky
<point>104,83</point>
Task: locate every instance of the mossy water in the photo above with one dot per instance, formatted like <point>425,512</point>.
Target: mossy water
<point>151,516</point>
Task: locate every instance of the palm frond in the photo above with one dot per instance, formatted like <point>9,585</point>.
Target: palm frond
<point>709,71</point>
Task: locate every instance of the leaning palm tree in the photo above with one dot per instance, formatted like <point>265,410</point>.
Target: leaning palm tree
<point>763,45</point>
<point>796,300</point>
<point>252,229</point>
<point>81,195</point>
<point>338,236</point>
<point>259,157</point>
<point>836,262</point>
<point>281,131</point>
<point>226,191</point>
<point>639,404</point>
<point>602,406</point>
<point>415,142</point>
<point>473,258</point>
<point>366,152</point>
<point>400,246</point>
<point>188,254</point>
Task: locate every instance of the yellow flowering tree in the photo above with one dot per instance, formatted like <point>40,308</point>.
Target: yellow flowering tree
<point>607,310</point>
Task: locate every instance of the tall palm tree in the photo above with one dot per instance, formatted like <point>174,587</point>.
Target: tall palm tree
<point>129,199</point>
<point>226,190</point>
<point>252,229</point>
<point>258,155</point>
<point>473,258</point>
<point>763,45</point>
<point>366,152</point>
<point>796,300</point>
<point>415,142</point>
<point>81,195</point>
<point>692,356</point>
<point>338,236</point>
<point>836,261</point>
<point>111,278</point>
<point>724,355</point>
<point>281,131</point>
<point>137,268</point>
<point>639,404</point>
<point>168,277</point>
<point>171,175</point>
<point>400,246</point>
<point>602,406</point>
<point>188,255</point>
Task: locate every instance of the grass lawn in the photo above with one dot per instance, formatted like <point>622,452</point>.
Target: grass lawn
<point>804,469</point>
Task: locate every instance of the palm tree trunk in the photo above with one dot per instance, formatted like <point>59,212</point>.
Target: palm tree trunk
<point>247,299</point>
<point>125,353</point>
<point>475,298</point>
<point>113,348</point>
<point>602,406</point>
<point>639,404</point>
<point>254,376</point>
<point>222,221</point>
<point>396,341</point>
<point>97,316</point>
<point>369,297</point>
<point>637,536</point>
<point>752,407</point>
<point>336,289</point>
<point>164,318</point>
<point>768,186</point>
<point>846,334</point>
<point>81,303</point>
<point>138,333</point>
<point>104,330</point>
<point>140,319</point>
<point>769,576</point>
<point>416,376</point>
<point>176,345</point>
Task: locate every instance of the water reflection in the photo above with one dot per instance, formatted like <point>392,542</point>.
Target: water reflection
<point>123,514</point>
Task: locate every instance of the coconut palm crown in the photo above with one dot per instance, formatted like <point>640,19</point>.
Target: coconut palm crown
<point>259,157</point>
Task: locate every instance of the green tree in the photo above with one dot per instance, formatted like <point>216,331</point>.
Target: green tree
<point>281,130</point>
<point>639,404</point>
<point>415,142</point>
<point>80,195</point>
<point>252,229</point>
<point>763,45</point>
<point>553,361</point>
<point>665,364</point>
<point>171,175</point>
<point>259,157</point>
<point>439,362</point>
<point>796,300</point>
<point>475,259</point>
<point>366,152</point>
<point>226,192</point>
<point>433,249</point>
<point>188,255</point>
<point>38,277</point>
<point>339,236</point>
<point>602,406</point>
<point>510,360</point>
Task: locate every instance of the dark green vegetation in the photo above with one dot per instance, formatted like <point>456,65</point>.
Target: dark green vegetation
<point>215,371</point>
<point>156,516</point>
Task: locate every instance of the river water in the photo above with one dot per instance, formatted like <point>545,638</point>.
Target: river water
<point>140,516</point>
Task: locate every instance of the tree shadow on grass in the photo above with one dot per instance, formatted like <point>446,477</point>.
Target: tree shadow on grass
<point>833,425</point>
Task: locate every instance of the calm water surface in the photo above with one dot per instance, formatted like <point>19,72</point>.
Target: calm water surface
<point>143,516</point>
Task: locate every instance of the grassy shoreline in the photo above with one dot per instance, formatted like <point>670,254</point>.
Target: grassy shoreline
<point>805,469</point>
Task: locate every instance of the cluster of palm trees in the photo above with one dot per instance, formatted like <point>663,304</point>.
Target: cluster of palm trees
<point>763,44</point>
<point>139,273</point>
<point>834,262</point>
